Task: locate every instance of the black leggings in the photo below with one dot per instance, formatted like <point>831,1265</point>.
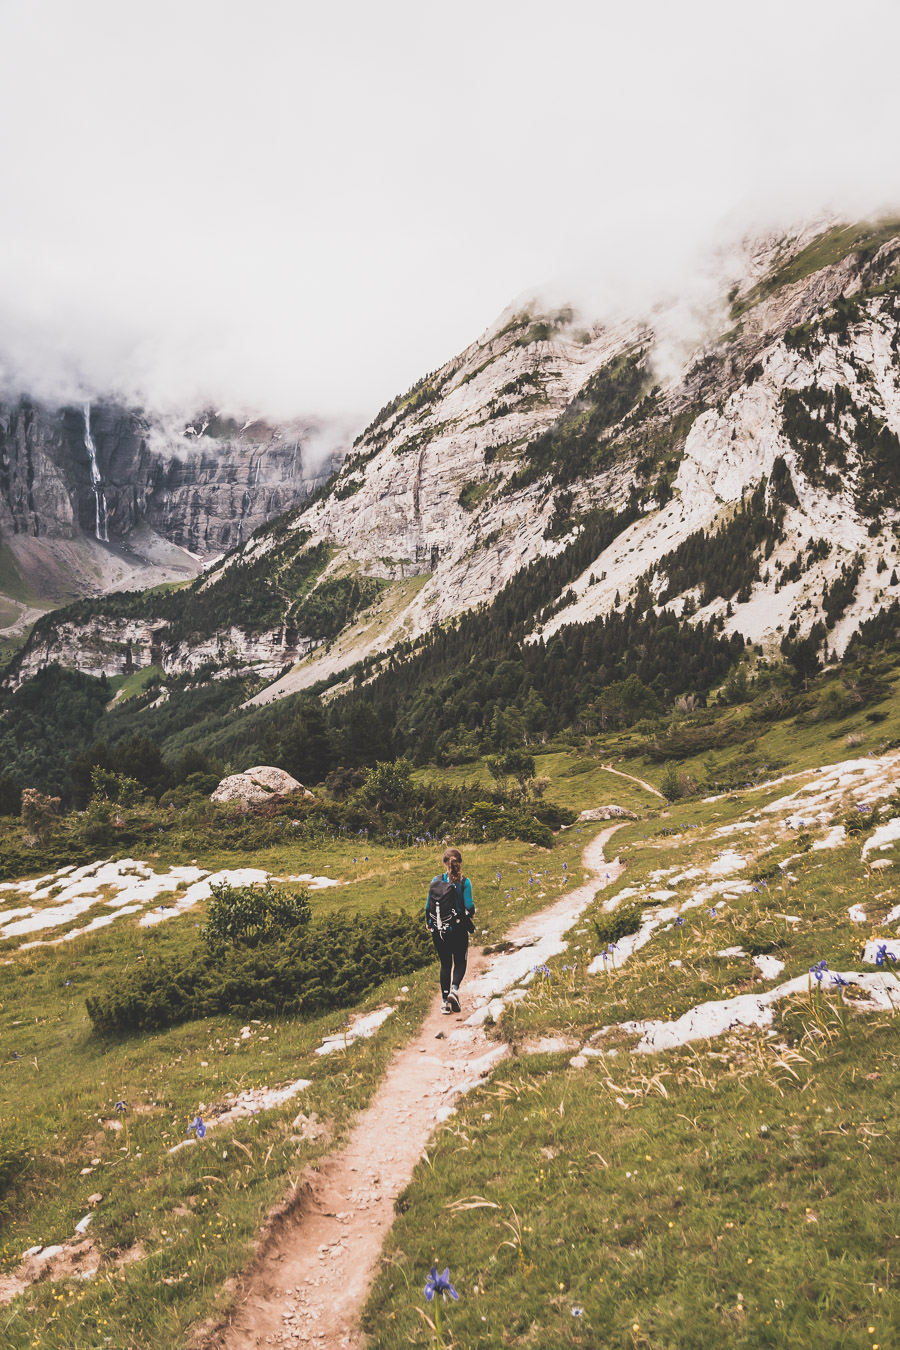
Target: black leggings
<point>453,951</point>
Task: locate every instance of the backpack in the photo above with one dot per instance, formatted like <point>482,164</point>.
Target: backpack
<point>445,911</point>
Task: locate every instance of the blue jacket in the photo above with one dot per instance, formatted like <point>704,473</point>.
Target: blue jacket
<point>467,894</point>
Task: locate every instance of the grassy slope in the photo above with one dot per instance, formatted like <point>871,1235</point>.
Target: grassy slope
<point>194,1214</point>
<point>825,250</point>
<point>734,1193</point>
<point>550,1147</point>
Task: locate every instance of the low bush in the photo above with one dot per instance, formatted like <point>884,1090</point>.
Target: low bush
<point>494,820</point>
<point>330,963</point>
<point>617,924</point>
<point>252,914</point>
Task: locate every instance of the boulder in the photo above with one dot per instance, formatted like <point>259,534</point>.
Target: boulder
<point>607,813</point>
<point>257,786</point>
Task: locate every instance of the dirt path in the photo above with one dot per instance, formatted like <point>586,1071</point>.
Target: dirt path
<point>631,777</point>
<point>312,1281</point>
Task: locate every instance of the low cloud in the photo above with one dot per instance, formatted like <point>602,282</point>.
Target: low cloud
<point>302,214</point>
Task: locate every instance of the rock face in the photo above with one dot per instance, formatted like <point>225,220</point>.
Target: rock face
<point>126,486</point>
<point>510,452</point>
<point>204,485</point>
<point>101,645</point>
<point>256,786</point>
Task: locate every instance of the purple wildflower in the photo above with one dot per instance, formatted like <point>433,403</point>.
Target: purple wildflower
<point>439,1284</point>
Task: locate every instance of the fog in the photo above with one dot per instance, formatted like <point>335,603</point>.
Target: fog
<point>299,209</point>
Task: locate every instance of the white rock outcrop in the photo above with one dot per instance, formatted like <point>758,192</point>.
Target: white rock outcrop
<point>611,812</point>
<point>255,786</point>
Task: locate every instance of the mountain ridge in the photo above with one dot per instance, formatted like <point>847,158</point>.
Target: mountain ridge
<point>499,458</point>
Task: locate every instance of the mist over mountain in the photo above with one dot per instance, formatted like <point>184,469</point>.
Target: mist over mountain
<point>748,484</point>
<point>370,194</point>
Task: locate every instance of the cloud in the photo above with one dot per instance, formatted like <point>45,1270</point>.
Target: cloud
<point>300,209</point>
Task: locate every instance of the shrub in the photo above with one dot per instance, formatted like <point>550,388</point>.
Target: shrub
<point>492,820</point>
<point>40,815</point>
<point>617,924</point>
<point>316,966</point>
<point>250,914</point>
<point>388,785</point>
<point>548,813</point>
<point>115,787</point>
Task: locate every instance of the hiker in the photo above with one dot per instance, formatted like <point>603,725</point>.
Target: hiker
<point>448,918</point>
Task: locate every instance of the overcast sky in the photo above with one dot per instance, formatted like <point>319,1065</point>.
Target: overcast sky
<point>300,208</point>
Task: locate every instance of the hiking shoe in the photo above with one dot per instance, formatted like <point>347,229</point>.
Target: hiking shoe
<point>445,1006</point>
<point>452,1003</point>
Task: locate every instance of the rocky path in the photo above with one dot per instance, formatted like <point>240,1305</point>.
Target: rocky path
<point>310,1285</point>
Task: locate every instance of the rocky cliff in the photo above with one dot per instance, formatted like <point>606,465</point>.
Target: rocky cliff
<point>766,456</point>
<point>97,496</point>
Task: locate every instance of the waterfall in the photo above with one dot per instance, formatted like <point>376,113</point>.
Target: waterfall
<point>100,527</point>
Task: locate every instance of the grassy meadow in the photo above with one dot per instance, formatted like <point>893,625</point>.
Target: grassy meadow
<point>734,1192</point>
<point>190,1218</point>
<point>737,1192</point>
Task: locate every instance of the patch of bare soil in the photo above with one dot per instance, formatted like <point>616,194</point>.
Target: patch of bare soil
<point>311,1279</point>
<point>62,1261</point>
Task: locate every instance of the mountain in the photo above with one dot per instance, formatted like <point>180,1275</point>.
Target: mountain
<point>752,481</point>
<point>97,497</point>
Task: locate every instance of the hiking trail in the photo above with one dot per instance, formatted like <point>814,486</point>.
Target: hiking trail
<point>642,782</point>
<point>309,1284</point>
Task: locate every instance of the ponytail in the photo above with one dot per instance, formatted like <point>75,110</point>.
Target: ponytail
<point>453,863</point>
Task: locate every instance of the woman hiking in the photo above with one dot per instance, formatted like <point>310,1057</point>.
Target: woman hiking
<point>448,918</point>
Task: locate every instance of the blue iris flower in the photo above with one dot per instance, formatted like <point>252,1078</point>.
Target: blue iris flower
<point>197,1126</point>
<point>882,955</point>
<point>818,970</point>
<point>439,1284</point>
<point>121,1108</point>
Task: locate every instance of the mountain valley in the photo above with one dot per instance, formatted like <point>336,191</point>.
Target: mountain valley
<point>613,609</point>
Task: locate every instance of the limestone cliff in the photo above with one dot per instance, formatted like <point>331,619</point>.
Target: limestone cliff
<point>98,496</point>
<point>509,452</point>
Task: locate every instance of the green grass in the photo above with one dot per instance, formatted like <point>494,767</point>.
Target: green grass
<point>577,780</point>
<point>9,612</point>
<point>679,1204</point>
<point>738,1192</point>
<point>9,646</point>
<point>12,583</point>
<point>194,1213</point>
<point>770,1157</point>
<point>129,686</point>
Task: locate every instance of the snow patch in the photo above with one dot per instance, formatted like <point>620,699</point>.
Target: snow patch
<point>884,837</point>
<point>872,947</point>
<point>129,887</point>
<point>707,1020</point>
